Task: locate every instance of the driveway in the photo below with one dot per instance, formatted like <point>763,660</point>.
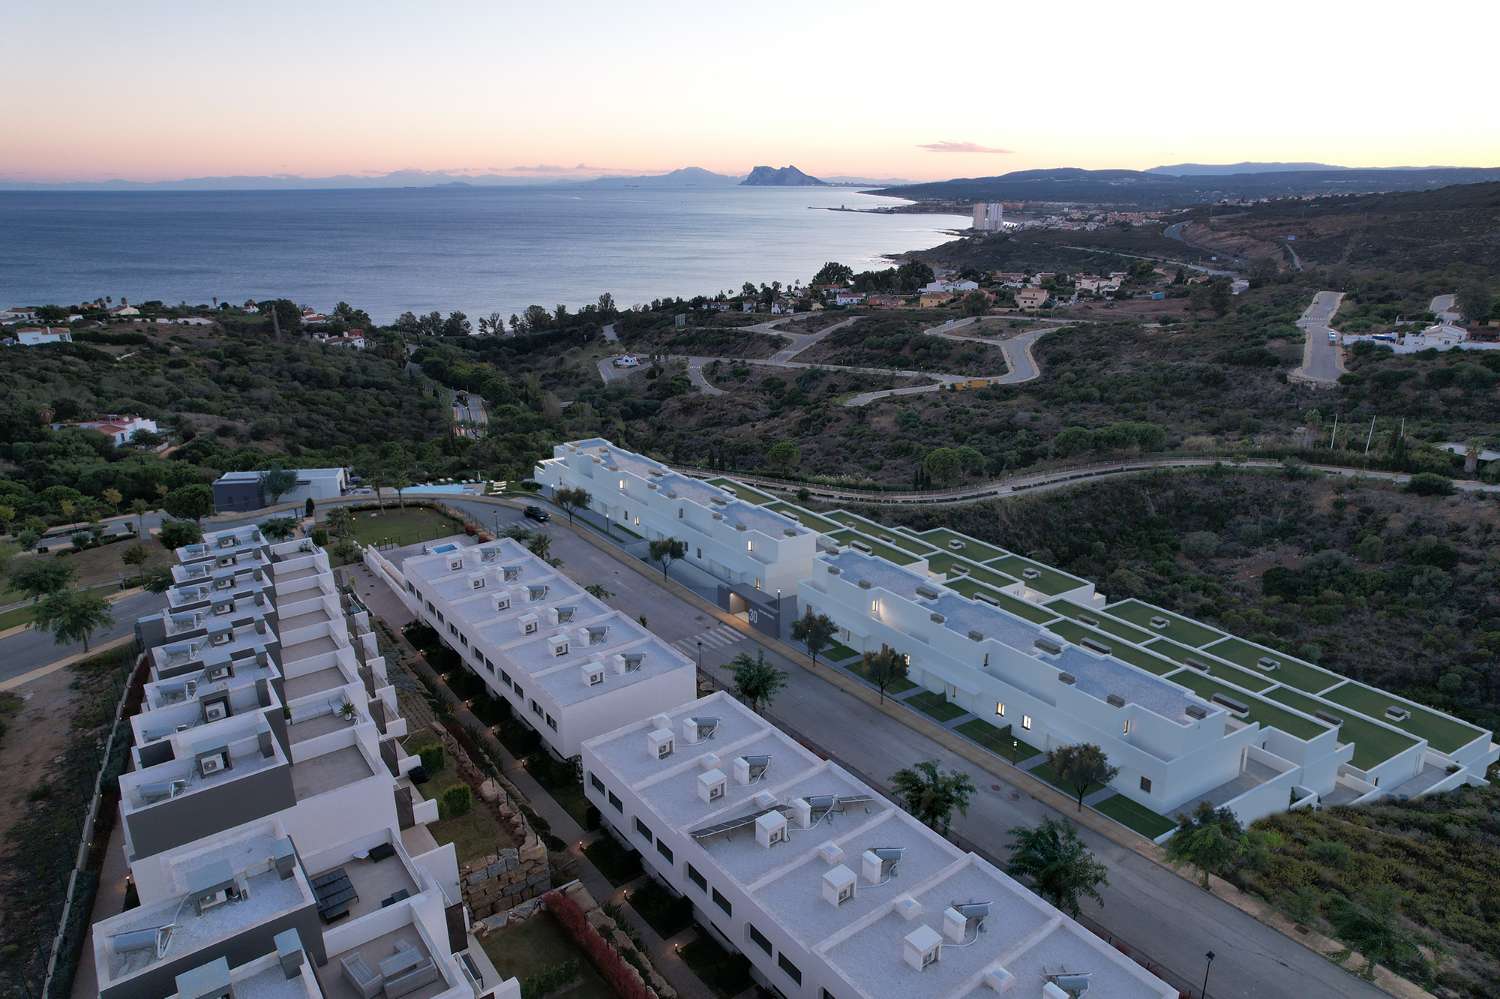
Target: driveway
<point>1322,360</point>
<point>1445,307</point>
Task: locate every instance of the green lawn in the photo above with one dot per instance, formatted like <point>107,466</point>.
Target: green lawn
<point>1020,608</point>
<point>951,565</point>
<point>880,533</point>
<point>884,551</point>
<point>933,705</point>
<point>1373,744</point>
<point>23,614</point>
<point>539,944</point>
<point>1261,710</point>
<point>939,537</point>
<point>402,526</point>
<point>1045,772</point>
<point>1137,816</point>
<point>1443,733</point>
<point>1179,628</point>
<point>1249,679</point>
<point>896,687</point>
<point>1047,580</point>
<point>747,493</point>
<point>1103,622</point>
<point>996,741</point>
<point>474,834</point>
<point>837,652</point>
<point>806,518</point>
<point>1292,672</point>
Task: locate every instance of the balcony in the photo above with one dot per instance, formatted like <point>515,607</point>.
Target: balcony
<point>396,963</point>
<point>329,772</point>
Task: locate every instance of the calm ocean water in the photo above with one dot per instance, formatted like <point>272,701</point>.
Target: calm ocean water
<point>475,249</point>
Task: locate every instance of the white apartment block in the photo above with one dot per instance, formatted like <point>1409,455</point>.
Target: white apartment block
<point>272,836</point>
<point>830,890</point>
<point>738,542</point>
<point>568,665</point>
<point>989,216</point>
<point>1187,712</point>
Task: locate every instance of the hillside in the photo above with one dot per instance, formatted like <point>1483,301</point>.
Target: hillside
<point>1146,189</point>
<point>787,176</point>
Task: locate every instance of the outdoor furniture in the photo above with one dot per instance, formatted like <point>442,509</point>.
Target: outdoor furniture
<point>381,851</point>
<point>407,970</point>
<point>365,979</point>
<point>335,894</point>
<point>153,939</point>
<point>395,897</point>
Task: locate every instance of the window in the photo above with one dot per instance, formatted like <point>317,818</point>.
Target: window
<point>536,709</point>
<point>441,619</point>
<point>520,694</point>
<point>462,638</point>
<point>615,801</point>
<point>431,609</point>
<point>597,783</point>
<point>697,878</point>
<point>723,903</point>
<point>758,938</point>
<point>792,971</point>
<point>664,850</point>
<point>1126,727</point>
<point>644,830</point>
<point>487,664</point>
<point>681,512</point>
<point>1026,722</point>
<point>453,631</point>
<point>411,587</point>
<point>552,723</point>
<point>825,994</point>
<point>749,545</point>
<point>505,678</point>
<point>1000,709</point>
<point>1146,784</point>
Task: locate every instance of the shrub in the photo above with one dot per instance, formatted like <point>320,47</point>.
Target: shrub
<point>549,980</point>
<point>432,758</point>
<point>457,801</point>
<point>616,971</point>
<point>1430,484</point>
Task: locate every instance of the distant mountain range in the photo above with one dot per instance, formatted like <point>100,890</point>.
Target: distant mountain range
<point>1225,169</point>
<point>787,176</point>
<point>1157,189</point>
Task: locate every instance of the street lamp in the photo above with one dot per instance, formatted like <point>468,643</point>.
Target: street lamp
<point>700,655</point>
<point>1210,964</point>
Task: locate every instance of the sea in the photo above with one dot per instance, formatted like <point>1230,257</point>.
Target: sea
<point>479,250</point>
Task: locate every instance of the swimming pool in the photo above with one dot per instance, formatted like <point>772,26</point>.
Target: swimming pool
<point>448,488</point>
<point>444,549</point>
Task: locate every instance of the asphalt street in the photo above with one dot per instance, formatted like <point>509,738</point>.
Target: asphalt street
<point>1322,359</point>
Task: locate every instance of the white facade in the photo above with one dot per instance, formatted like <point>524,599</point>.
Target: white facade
<point>35,338</point>
<point>568,665</point>
<point>829,889</point>
<point>272,837</point>
<point>119,429</point>
<point>735,541</point>
<point>989,217</point>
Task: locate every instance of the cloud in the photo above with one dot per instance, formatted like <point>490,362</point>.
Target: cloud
<point>959,147</point>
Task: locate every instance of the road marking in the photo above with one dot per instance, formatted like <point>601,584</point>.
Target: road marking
<point>716,637</point>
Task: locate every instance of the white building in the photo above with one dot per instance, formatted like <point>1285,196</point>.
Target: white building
<point>848,297</point>
<point>1438,336</point>
<point>755,551</point>
<point>42,335</point>
<point>568,665</point>
<point>119,429</point>
<point>17,314</point>
<point>245,491</point>
<point>829,890</point>
<point>272,836</point>
<point>989,217</point>
<point>953,287</point>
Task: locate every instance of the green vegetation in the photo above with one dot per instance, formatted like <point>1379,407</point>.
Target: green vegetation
<point>1057,864</point>
<point>1247,679</point>
<point>1178,628</point>
<point>756,682</point>
<point>895,685</point>
<point>536,949</point>
<point>1002,741</point>
<point>1103,622</point>
<point>664,912</point>
<point>402,526</point>
<point>933,795</point>
<point>473,831</point>
<point>747,493</point>
<point>1443,734</point>
<point>805,517</point>
<point>1288,670</point>
<point>1260,709</point>
<point>1373,744</point>
<point>896,340</point>
<point>896,555</point>
<point>934,706</point>
<point>1136,816</point>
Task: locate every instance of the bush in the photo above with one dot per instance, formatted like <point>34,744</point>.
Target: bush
<point>1430,484</point>
<point>432,759</point>
<point>549,980</point>
<point>457,801</point>
<point>616,971</point>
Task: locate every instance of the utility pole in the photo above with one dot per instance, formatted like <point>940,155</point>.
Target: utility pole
<point>1333,436</point>
<point>1370,437</point>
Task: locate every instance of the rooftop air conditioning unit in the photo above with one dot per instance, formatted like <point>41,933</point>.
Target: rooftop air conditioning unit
<point>1268,664</point>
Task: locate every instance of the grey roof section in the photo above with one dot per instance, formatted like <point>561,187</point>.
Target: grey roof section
<point>963,615</point>
<point>856,565</point>
<point>1102,675</point>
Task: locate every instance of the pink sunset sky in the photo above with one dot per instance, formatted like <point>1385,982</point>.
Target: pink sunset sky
<point>167,89</point>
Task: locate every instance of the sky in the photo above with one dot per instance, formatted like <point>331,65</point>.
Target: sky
<point>166,89</point>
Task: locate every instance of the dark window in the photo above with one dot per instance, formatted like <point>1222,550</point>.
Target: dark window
<point>664,850</point>
<point>1146,784</point>
<point>520,694</point>
<point>613,800</point>
<point>411,587</point>
<point>825,994</point>
<point>598,784</point>
<point>758,938</point>
<point>792,971</point>
<point>441,619</point>
<point>723,903</point>
<point>487,664</point>
<point>464,639</point>
<point>644,830</point>
<point>536,709</point>
<point>552,723</point>
<point>505,678</point>
<point>697,878</point>
<point>430,609</point>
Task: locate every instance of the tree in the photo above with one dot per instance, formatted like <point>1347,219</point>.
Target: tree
<point>158,580</point>
<point>113,497</point>
<point>1210,840</point>
<point>944,464</point>
<point>340,521</point>
<point>571,499</point>
<point>276,482</point>
<point>606,304</point>
<point>540,545</point>
<point>189,502</point>
<point>1058,865</point>
<point>756,681</point>
<point>666,551</point>
<point>598,591</point>
<point>41,577</point>
<point>176,533</point>
<point>73,617</point>
<point>309,508</point>
<point>398,476</point>
<point>135,556</point>
<point>1371,924</point>
<point>931,794</point>
<point>139,509</point>
<point>1475,301</point>
<point>457,324</point>
<point>279,528</point>
<point>1081,767</point>
<point>833,272</point>
<point>912,275</point>
<point>884,668</point>
<point>975,303</point>
<point>783,456</point>
<point>815,631</point>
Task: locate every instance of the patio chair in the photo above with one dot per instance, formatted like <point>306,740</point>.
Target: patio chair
<point>365,979</point>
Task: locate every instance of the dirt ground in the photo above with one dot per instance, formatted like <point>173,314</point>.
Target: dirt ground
<point>34,737</point>
<point>1142,309</point>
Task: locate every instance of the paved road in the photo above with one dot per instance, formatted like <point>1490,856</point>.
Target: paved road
<point>1296,260</point>
<point>1166,916</point>
<point>469,415</point>
<point>31,649</point>
<point>608,373</point>
<point>1322,360</point>
<point>608,331</point>
<point>1020,363</point>
<point>698,378</point>
<point>1445,308</point>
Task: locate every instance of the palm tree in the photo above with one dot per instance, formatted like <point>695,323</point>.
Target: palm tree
<point>1056,862</point>
<point>540,545</point>
<point>73,616</point>
<point>932,795</point>
<point>139,508</point>
<point>597,591</point>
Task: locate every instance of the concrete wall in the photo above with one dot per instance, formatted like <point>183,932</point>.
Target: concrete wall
<point>210,811</point>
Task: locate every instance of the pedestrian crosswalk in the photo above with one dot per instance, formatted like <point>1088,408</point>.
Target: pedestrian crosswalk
<point>717,637</point>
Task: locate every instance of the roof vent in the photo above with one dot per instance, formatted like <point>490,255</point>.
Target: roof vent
<point>1158,622</point>
<point>831,853</point>
<point>661,721</point>
<point>1235,707</point>
<point>976,636</point>
<point>1067,678</point>
<point>1049,646</point>
<point>936,618</point>
<point>708,761</point>
<point>1031,574</point>
<point>908,908</point>
<point>1196,664</point>
<point>1268,664</point>
<point>1330,718</point>
<point>1195,711</point>
<point>764,799</point>
<point>998,979</point>
<point>864,584</point>
<point>1094,646</point>
<point>1116,700</point>
<point>928,592</point>
<point>834,570</point>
